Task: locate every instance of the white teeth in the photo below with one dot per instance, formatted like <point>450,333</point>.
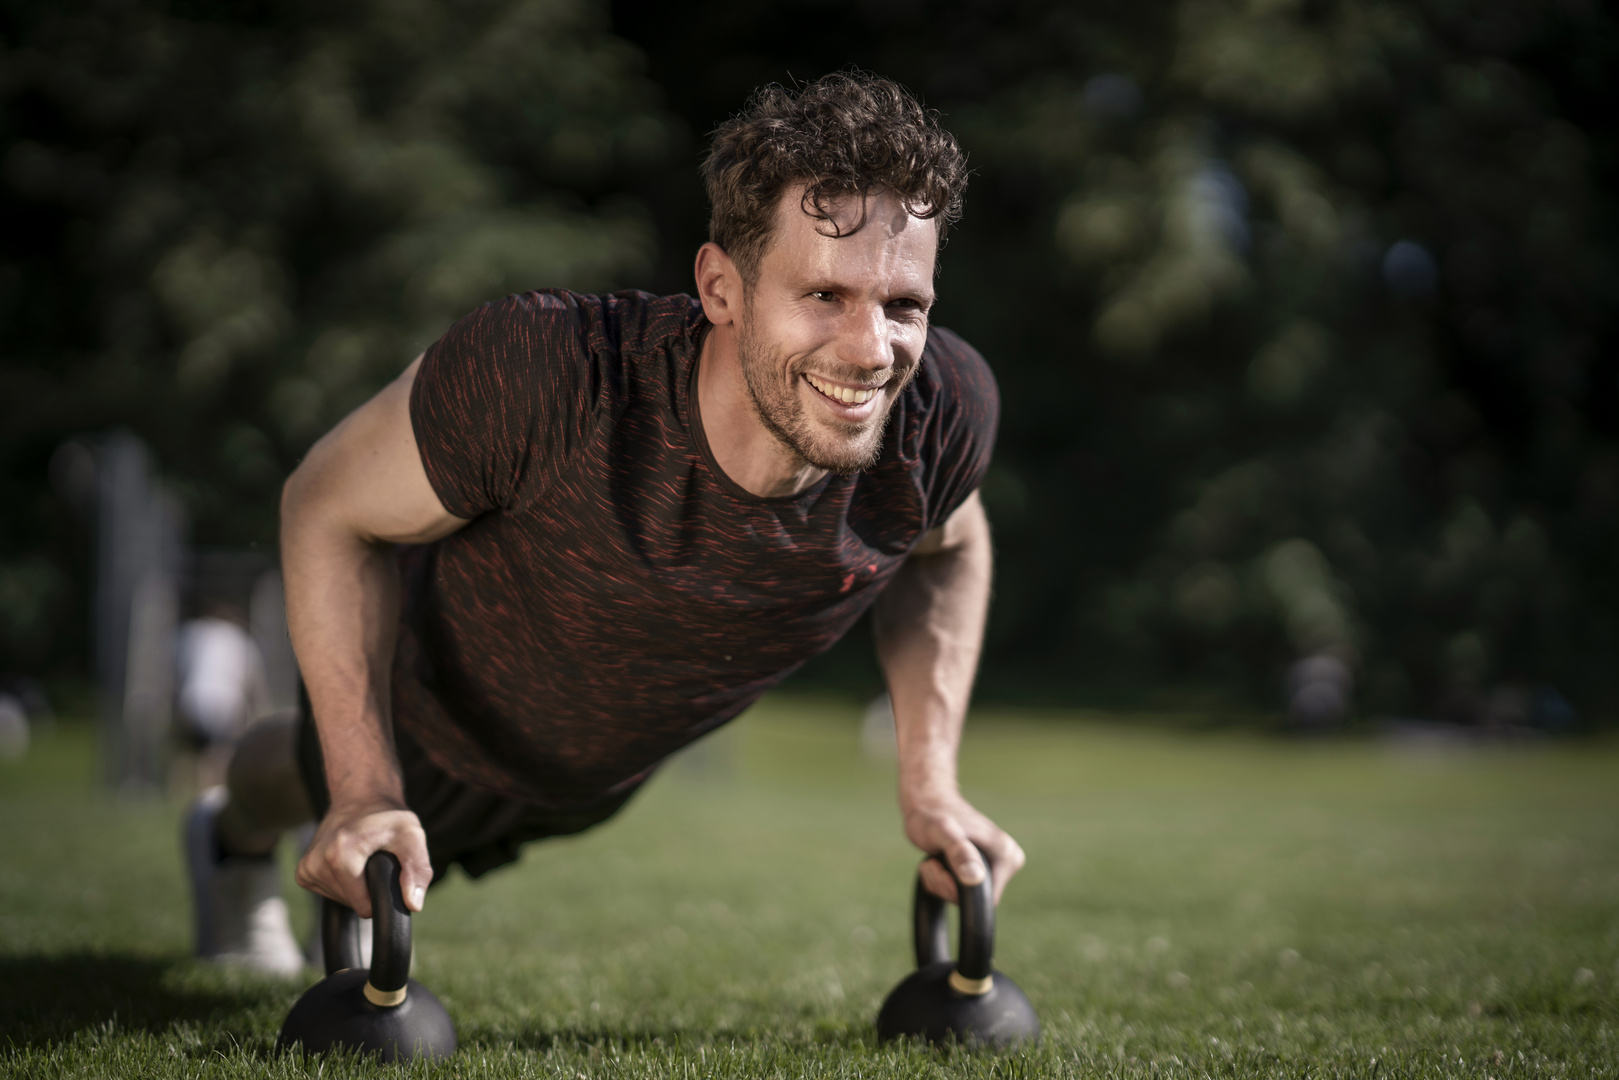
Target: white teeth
<point>846,394</point>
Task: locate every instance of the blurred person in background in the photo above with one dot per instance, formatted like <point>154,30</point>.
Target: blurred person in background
<point>220,686</point>
<point>23,707</point>
<point>622,520</point>
<point>14,728</point>
<point>220,690</point>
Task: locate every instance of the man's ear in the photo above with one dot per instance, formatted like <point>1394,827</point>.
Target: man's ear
<point>719,284</point>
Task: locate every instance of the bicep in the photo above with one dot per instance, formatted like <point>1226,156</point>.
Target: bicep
<point>966,527</point>
<point>367,472</point>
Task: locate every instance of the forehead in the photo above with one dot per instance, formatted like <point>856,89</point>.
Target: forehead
<point>873,236</point>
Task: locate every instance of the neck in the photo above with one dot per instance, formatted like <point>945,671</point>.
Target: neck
<point>745,450</point>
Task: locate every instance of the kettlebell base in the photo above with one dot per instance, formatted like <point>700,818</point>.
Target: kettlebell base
<point>334,1013</point>
<point>926,1006</point>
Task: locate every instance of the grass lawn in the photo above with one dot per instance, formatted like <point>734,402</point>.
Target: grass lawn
<point>1194,905</point>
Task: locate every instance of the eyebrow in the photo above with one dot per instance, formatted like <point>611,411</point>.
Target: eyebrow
<point>809,282</point>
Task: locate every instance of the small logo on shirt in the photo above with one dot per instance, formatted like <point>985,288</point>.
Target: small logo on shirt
<point>849,579</point>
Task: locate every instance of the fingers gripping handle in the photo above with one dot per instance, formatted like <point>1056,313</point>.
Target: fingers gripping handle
<point>390,933</point>
<point>977,946</point>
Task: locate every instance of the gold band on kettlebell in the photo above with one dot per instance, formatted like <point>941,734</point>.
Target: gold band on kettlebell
<point>384,998</point>
<point>959,983</point>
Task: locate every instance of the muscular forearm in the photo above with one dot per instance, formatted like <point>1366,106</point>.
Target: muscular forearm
<point>342,610</point>
<point>930,626</point>
<point>362,488</point>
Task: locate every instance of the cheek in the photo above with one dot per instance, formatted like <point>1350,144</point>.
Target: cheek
<point>810,327</point>
<point>796,339</point>
<point>909,343</point>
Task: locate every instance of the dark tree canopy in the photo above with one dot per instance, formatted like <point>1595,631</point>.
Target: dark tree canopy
<point>1301,308</point>
<point>224,226</point>
<point>1301,312</point>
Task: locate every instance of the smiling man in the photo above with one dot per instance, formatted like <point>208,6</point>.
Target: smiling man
<point>624,518</point>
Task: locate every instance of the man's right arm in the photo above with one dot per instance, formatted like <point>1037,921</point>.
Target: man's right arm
<point>361,488</point>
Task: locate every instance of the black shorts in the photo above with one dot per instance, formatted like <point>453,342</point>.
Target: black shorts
<point>469,825</point>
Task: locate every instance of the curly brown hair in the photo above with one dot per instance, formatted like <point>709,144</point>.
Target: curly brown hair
<point>850,133</point>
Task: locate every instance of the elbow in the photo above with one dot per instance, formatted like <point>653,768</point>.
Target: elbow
<point>300,500</point>
<point>293,492</point>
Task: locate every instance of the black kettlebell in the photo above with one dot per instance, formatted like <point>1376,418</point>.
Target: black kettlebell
<point>967,999</point>
<point>378,1010</point>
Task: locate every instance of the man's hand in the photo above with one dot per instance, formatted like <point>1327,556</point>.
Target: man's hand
<point>334,865</point>
<point>948,825</point>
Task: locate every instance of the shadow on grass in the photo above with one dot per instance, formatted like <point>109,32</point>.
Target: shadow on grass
<point>45,999</point>
<point>582,1039</point>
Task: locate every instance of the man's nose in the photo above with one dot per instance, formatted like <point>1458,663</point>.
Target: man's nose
<point>864,339</point>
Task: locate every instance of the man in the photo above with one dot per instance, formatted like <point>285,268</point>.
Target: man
<point>626,518</point>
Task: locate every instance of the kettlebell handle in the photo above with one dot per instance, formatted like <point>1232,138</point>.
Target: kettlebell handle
<point>932,931</point>
<point>390,933</point>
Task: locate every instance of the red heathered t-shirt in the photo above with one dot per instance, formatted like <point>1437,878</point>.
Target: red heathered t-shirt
<point>615,595</point>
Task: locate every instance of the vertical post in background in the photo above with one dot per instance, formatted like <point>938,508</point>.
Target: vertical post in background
<point>139,545</point>
<point>267,614</point>
<point>149,672</point>
<point>121,491</point>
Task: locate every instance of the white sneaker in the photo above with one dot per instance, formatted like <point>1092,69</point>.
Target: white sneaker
<point>240,915</point>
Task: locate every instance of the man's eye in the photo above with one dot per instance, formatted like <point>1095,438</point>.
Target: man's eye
<point>824,295</point>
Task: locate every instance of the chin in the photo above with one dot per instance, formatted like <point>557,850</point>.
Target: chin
<point>845,456</point>
<point>781,403</point>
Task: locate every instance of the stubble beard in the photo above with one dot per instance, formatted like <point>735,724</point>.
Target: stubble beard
<point>844,449</point>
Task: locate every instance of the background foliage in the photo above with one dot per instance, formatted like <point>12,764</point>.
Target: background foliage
<point>1301,308</point>
<point>226,225</point>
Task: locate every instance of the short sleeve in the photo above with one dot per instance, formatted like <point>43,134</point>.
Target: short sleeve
<point>963,416</point>
<point>502,401</point>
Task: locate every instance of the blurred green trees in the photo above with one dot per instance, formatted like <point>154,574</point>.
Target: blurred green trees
<point>224,225</point>
<point>1337,278</point>
<point>1302,309</point>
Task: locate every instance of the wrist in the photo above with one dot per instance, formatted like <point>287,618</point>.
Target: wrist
<point>355,800</point>
<point>364,776</point>
<point>927,787</point>
<point>927,755</point>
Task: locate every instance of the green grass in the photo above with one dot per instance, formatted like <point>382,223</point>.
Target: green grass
<point>1194,905</point>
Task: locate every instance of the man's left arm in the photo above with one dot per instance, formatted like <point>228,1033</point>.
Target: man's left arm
<point>930,627</point>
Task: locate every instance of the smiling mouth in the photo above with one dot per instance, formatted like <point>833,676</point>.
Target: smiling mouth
<point>844,395</point>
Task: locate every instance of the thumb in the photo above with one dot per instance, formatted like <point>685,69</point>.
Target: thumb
<point>415,874</point>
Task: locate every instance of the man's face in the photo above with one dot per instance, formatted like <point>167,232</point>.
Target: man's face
<point>833,327</point>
